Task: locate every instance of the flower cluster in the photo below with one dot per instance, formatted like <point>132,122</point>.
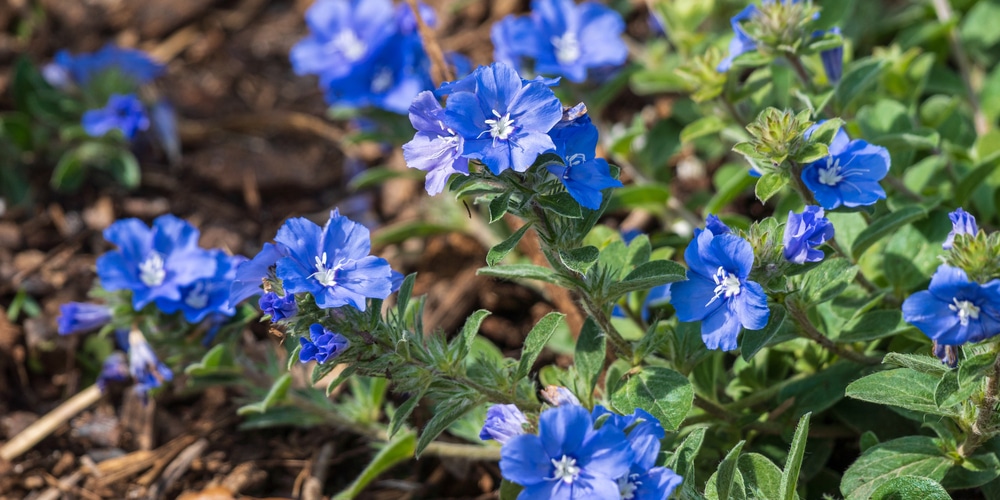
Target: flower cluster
<point>497,118</point>
<point>332,263</point>
<point>163,264</point>
<point>579,454</point>
<point>365,52</point>
<point>563,38</point>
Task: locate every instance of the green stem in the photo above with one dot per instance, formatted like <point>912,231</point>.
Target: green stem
<point>801,71</point>
<point>810,332</point>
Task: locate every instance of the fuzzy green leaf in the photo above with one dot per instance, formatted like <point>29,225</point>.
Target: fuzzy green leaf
<point>769,185</point>
<point>908,456</point>
<point>535,342</point>
<point>591,350</point>
<point>790,475</point>
<point>885,226</point>
<point>500,250</point>
<point>664,393</point>
<point>902,387</point>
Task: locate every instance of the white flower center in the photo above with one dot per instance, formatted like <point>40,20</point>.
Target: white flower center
<point>382,80</point>
<point>566,469</point>
<point>326,276</point>
<point>965,310</point>
<point>350,45</point>
<point>151,270</point>
<point>197,298</point>
<point>727,284</point>
<point>567,47</point>
<point>627,486</point>
<point>502,127</point>
<point>831,174</point>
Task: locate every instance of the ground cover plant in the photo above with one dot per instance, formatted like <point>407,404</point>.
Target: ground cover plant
<point>716,249</point>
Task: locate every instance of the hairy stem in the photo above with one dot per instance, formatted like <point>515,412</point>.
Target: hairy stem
<point>810,332</point>
<point>983,428</point>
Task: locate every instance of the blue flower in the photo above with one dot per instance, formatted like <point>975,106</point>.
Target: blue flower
<point>564,38</point>
<point>332,262</point>
<point>962,222</point>
<point>741,42</point>
<point>717,291</point>
<point>77,317</point>
<point>154,263</point>
<point>850,175</point>
<point>436,149</point>
<point>206,296</point>
<point>145,368</point>
<point>583,175</point>
<point>568,459</point>
<point>714,224</point>
<point>833,60</point>
<point>250,274</point>
<point>133,64</point>
<point>391,78</point>
<point>278,307</point>
<point>125,113</point>
<point>343,36</point>
<point>113,369</point>
<point>505,123</point>
<point>804,232</point>
<point>954,310</point>
<point>503,422</point>
<point>644,481</point>
<point>322,345</point>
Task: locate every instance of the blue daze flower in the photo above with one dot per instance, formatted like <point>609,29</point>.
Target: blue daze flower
<point>332,262</point>
<point>584,176</point>
<point>113,369</point>
<point>850,175</point>
<point>80,69</point>
<point>278,307</point>
<point>741,42</point>
<point>206,296</point>
<point>644,481</point>
<point>568,459</point>
<point>436,148</point>
<point>954,310</point>
<point>124,113</point>
<point>505,122</point>
<point>146,369</point>
<point>833,60</point>
<point>962,222</point>
<point>714,224</point>
<point>154,263</point>
<point>365,52</point>
<point>322,345</point>
<point>804,232</point>
<point>78,317</point>
<point>717,291</point>
<point>503,422</point>
<point>563,38</point>
<point>250,274</point>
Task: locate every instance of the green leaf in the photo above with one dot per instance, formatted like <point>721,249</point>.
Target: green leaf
<point>509,490</point>
<point>652,196</point>
<point>277,393</point>
<point>646,276</point>
<point>826,131</point>
<point>769,185</point>
<point>872,325</point>
<point>909,487</point>
<point>753,341</point>
<point>812,152</point>
<point>908,456</point>
<point>727,472</point>
<point>731,189</point>
<point>445,414</point>
<point>973,368</point>
<point>790,475</point>
<point>340,379</point>
<point>682,459</point>
<point>561,204</point>
<point>498,207</point>
<point>404,294</point>
<point>827,280</point>
<point>209,363</point>
<point>902,387</point>
<point>500,250</point>
<point>523,271</point>
<point>949,393</point>
<point>701,127</point>
<point>396,451</point>
<point>976,177</point>
<point>868,439</point>
<point>915,140</point>
<point>885,226</point>
<point>403,412</point>
<point>580,259</point>
<point>591,350</point>
<point>469,331</point>
<point>124,167</point>
<point>69,172</point>
<point>535,342</point>
<point>664,393</point>
<point>761,478</point>
<point>858,77</point>
<point>918,362</point>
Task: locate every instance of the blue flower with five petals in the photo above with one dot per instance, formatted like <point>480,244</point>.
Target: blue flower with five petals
<point>436,148</point>
<point>953,310</point>
<point>717,291</point>
<point>850,175</point>
<point>583,175</point>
